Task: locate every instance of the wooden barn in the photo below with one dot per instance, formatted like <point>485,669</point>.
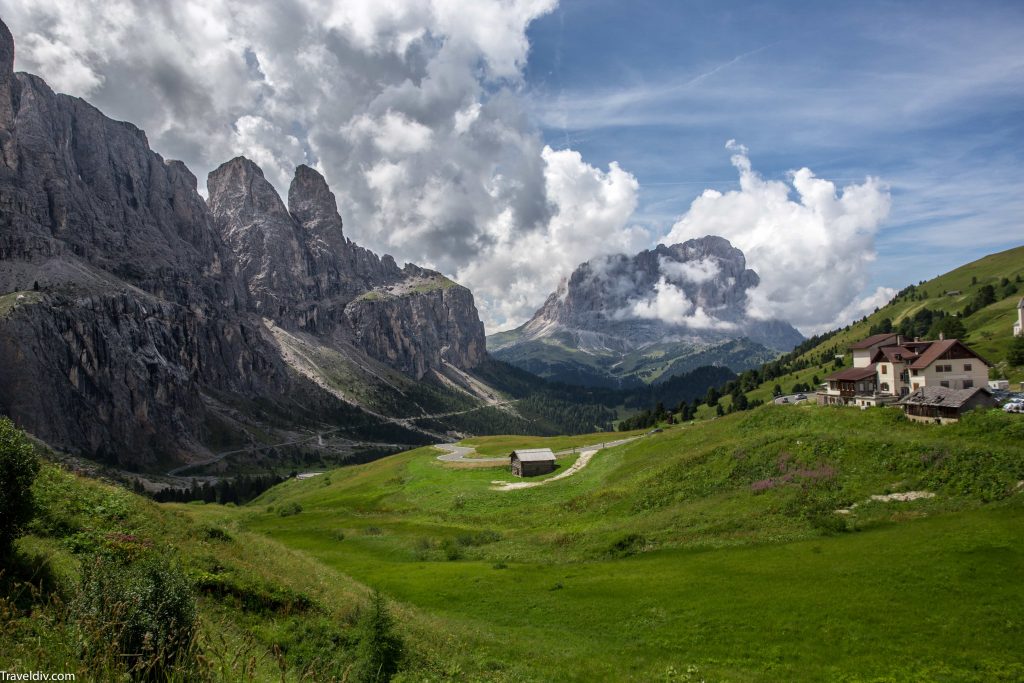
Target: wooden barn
<point>531,462</point>
<point>942,405</point>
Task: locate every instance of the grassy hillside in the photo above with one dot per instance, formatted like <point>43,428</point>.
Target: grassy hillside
<point>710,551</point>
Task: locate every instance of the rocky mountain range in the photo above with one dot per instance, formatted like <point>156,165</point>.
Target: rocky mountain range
<point>623,320</point>
<point>144,326</point>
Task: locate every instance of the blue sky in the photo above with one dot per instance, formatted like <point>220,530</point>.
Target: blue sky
<point>929,97</point>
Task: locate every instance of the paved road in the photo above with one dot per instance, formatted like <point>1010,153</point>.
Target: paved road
<point>792,399</point>
<point>456,453</point>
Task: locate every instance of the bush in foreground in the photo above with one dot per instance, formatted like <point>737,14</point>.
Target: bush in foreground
<point>18,469</point>
<point>139,617</point>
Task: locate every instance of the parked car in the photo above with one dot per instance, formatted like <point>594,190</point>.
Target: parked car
<point>801,397</point>
<point>784,400</point>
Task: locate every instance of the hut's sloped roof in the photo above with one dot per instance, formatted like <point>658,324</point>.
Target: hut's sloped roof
<point>534,454</point>
<point>941,396</point>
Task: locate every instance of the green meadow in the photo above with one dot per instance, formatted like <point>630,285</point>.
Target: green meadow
<point>746,548</point>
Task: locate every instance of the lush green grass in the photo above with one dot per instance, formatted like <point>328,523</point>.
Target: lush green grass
<point>709,551</point>
<point>661,554</point>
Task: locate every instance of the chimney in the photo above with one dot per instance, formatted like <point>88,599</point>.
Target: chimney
<point>899,340</point>
<point>917,339</point>
<point>942,336</point>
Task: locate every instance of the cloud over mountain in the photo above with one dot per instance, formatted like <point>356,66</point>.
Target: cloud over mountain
<point>812,251</point>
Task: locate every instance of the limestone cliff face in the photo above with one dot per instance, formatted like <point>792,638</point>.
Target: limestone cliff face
<point>132,312</point>
<point>304,273</point>
<point>420,323</point>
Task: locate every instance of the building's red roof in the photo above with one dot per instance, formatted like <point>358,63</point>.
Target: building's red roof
<point>936,349</point>
<point>853,374</point>
<point>895,354</point>
<point>872,340</point>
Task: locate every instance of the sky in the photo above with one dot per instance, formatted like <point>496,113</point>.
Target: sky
<point>848,149</point>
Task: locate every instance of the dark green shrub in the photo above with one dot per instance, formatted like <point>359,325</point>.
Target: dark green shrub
<point>475,538</point>
<point>216,533</point>
<point>139,617</point>
<point>452,549</point>
<point>380,649</point>
<point>18,469</point>
<point>289,509</point>
<point>630,544</point>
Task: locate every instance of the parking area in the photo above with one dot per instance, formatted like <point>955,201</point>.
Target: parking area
<point>793,399</point>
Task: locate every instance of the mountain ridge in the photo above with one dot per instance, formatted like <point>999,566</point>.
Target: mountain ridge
<point>673,304</point>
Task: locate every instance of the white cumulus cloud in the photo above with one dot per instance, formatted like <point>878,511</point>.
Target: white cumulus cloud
<point>811,244</point>
<point>669,304</point>
<point>590,211</point>
<point>700,271</point>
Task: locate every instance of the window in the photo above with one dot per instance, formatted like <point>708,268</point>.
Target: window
<point>914,372</point>
<point>884,386</point>
<point>885,369</point>
<point>944,383</point>
<point>968,383</point>
<point>967,367</point>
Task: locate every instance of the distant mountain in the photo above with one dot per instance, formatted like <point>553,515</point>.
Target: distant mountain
<point>626,320</point>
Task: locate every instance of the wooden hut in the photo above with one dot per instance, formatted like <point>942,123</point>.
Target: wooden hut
<point>942,405</point>
<point>531,462</point>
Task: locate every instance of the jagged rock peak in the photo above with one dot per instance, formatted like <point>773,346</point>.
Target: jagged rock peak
<point>313,204</point>
<point>695,290</point>
<point>239,185</point>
